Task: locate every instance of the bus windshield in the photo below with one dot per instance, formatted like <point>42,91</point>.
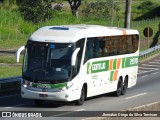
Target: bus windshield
<point>47,62</point>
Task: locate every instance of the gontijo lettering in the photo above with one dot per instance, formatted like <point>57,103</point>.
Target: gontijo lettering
<point>99,66</point>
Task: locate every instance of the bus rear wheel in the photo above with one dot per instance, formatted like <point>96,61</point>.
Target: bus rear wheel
<point>124,87</point>
<point>82,97</point>
<point>118,92</point>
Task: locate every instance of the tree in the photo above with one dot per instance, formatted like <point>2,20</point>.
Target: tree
<point>8,1</point>
<point>74,4</point>
<point>35,10</point>
<point>100,9</point>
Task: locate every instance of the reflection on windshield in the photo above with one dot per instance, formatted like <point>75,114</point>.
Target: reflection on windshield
<point>47,61</point>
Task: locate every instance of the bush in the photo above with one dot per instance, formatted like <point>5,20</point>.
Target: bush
<point>36,10</point>
<point>146,6</point>
<point>99,9</point>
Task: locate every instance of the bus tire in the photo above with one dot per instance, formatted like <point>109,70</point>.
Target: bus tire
<point>125,85</point>
<point>38,102</point>
<point>118,92</point>
<point>82,97</point>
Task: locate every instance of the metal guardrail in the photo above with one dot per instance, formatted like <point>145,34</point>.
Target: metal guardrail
<point>148,51</point>
<point>10,79</point>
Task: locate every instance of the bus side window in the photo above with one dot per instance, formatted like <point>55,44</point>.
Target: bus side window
<point>123,45</point>
<point>97,49</point>
<point>129,44</point>
<point>110,46</point>
<point>80,44</point>
<point>102,48</point>
<point>135,42</point>
<point>89,49</point>
<point>115,40</point>
<point>107,50</point>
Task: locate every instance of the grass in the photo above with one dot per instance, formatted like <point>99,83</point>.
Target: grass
<point>9,71</point>
<point>10,59</point>
<point>14,31</point>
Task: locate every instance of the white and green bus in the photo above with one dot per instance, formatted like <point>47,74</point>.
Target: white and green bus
<point>74,62</point>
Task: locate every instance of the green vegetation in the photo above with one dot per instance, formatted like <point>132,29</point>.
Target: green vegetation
<point>8,71</point>
<point>9,59</point>
<point>36,11</point>
<point>15,31</point>
<point>140,8</point>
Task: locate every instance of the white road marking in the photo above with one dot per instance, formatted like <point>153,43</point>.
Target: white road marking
<point>80,110</point>
<point>148,68</point>
<point>155,62</point>
<point>15,106</point>
<point>9,96</point>
<point>136,96</point>
<point>150,65</point>
<point>148,71</point>
<point>144,76</point>
<point>139,71</point>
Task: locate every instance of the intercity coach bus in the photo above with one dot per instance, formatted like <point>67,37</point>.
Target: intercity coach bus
<point>74,62</point>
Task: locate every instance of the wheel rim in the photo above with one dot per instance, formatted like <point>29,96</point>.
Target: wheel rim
<point>82,95</point>
<point>119,90</point>
<point>125,85</point>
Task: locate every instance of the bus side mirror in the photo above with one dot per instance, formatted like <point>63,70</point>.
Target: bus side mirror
<point>74,57</point>
<point>19,52</point>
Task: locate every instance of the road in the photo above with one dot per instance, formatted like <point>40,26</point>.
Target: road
<point>146,91</point>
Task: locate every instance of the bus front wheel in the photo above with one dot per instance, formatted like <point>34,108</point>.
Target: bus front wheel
<point>82,97</point>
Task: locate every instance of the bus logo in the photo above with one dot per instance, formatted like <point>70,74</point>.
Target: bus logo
<point>97,67</point>
<point>44,86</point>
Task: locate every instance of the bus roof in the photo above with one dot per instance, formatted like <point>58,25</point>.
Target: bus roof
<point>72,33</point>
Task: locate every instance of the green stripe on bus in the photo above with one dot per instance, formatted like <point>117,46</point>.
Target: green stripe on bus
<point>39,85</point>
<point>111,75</point>
<point>131,61</point>
<point>123,62</point>
<point>114,64</point>
<point>101,66</point>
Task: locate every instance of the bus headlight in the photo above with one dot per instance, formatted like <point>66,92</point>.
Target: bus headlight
<point>67,87</point>
<point>63,89</point>
<point>26,83</point>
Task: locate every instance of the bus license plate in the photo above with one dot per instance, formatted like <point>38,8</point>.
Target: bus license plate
<point>43,95</point>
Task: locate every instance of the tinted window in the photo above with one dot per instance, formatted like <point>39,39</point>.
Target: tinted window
<point>110,46</point>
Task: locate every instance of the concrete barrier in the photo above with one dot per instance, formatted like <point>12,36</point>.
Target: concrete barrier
<point>149,107</point>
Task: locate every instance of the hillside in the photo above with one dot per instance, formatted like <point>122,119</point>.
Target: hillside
<point>150,15</point>
<point>14,31</point>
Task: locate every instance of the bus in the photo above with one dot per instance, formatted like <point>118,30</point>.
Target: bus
<point>75,62</point>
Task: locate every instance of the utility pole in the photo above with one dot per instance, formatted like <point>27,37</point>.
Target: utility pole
<point>127,14</point>
<point>112,14</point>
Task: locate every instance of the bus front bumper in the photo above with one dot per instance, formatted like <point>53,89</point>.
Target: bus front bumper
<point>66,95</point>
